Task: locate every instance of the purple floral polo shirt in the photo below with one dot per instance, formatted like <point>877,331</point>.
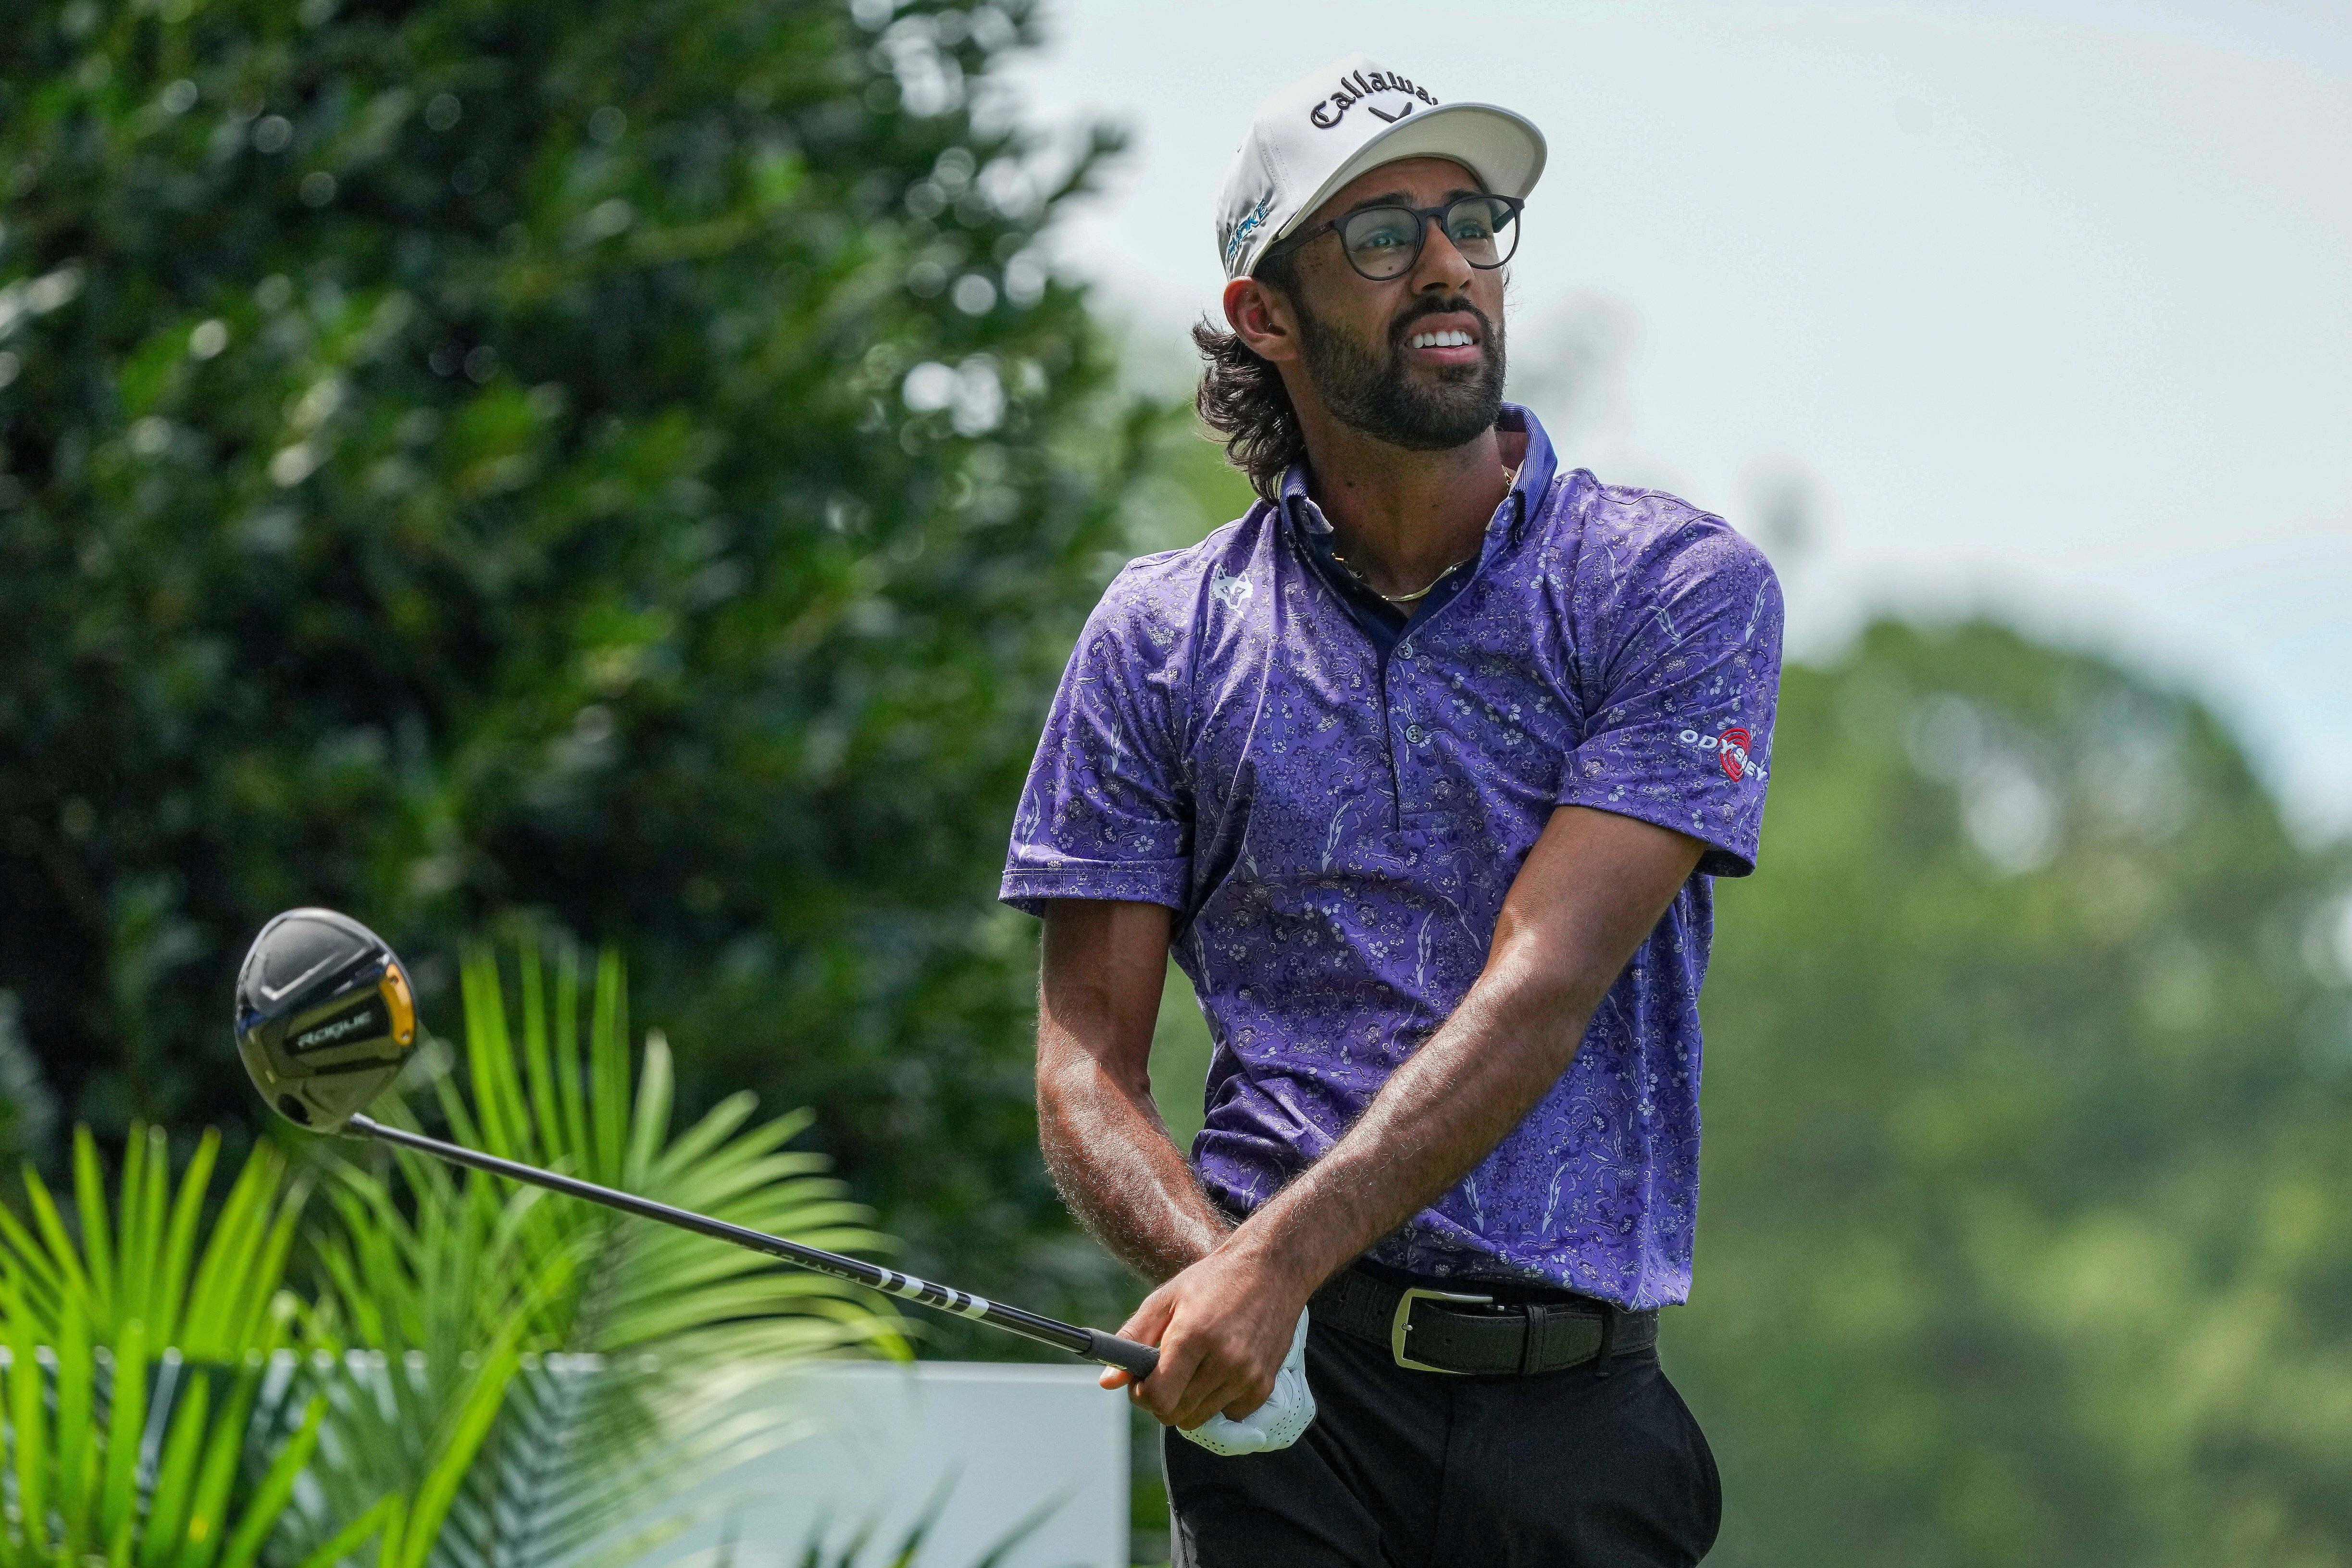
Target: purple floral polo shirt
<point>1335,825</point>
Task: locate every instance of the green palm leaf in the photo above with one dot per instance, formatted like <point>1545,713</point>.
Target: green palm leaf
<point>130,1363</point>
<point>561,1348</point>
<point>139,1259</point>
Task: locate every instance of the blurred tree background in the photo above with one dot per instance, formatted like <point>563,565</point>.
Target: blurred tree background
<point>626,469</point>
<point>2029,1076</point>
<point>622,466</point>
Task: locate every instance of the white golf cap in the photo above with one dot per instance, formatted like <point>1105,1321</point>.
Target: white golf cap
<point>1323,129</point>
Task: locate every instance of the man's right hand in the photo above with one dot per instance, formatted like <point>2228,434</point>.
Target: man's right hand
<point>1223,1327</point>
<point>1279,1423</point>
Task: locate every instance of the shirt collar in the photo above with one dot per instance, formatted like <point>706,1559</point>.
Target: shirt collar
<point>1298,505</point>
<point>1536,470</point>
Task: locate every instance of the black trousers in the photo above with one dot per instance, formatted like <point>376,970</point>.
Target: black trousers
<point>1418,1469</point>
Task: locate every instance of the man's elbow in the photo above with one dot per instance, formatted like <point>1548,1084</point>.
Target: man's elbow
<point>1069,1080</point>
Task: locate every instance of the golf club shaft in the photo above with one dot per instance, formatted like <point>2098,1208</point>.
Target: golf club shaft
<point>1091,1344</point>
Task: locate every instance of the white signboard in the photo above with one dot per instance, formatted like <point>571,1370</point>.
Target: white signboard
<point>1034,1454</point>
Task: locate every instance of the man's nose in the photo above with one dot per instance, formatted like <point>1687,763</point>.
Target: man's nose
<point>1441,265</point>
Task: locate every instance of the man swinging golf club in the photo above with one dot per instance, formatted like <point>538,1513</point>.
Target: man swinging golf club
<point>1423,768</point>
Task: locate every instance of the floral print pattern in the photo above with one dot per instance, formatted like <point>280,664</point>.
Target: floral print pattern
<point>1336,826</point>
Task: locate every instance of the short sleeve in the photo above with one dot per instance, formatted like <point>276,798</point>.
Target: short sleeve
<point>1105,813</point>
<point>1676,638</point>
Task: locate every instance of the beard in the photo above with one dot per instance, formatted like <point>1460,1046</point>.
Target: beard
<point>1372,390</point>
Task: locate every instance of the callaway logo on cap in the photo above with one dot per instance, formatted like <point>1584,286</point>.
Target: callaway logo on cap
<point>1323,129</point>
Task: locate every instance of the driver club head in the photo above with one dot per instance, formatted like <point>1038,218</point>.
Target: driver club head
<point>325,1018</point>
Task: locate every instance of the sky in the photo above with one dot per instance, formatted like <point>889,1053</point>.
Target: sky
<point>2036,309</point>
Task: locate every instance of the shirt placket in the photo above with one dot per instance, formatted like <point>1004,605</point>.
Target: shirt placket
<point>1408,725</point>
<point>1413,697</point>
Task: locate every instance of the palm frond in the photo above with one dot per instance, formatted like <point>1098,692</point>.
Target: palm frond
<point>130,1361</point>
<point>605,1330</point>
<point>211,1291</point>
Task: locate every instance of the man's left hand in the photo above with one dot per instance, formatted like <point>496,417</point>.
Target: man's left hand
<point>1223,1327</point>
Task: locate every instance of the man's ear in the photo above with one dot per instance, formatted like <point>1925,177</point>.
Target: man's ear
<point>1263,319</point>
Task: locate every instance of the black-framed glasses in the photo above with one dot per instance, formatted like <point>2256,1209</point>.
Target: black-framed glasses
<point>1384,242</point>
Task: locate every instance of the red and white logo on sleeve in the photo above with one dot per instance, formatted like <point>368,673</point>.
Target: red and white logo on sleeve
<point>1730,749</point>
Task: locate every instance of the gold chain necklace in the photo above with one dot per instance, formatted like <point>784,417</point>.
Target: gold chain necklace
<point>1412,598</point>
<point>1510,478</point>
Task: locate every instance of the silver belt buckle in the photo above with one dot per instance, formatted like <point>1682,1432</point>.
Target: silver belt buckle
<point>1401,1325</point>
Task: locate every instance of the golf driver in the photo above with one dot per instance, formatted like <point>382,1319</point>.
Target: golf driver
<point>325,1019</point>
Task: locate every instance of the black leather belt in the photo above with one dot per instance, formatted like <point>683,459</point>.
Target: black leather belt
<point>1456,1331</point>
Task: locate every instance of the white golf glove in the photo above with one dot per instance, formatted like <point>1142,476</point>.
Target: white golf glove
<point>1278,1422</point>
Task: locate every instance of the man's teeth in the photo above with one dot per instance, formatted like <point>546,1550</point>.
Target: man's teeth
<point>1441,340</point>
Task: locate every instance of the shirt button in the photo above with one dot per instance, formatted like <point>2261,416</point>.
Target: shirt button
<point>1415,733</point>
<point>1405,650</point>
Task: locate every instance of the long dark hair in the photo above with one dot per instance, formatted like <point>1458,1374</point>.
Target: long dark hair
<point>1241,396</point>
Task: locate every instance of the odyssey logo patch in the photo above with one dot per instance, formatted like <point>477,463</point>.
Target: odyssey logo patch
<point>1730,749</point>
<point>1354,88</point>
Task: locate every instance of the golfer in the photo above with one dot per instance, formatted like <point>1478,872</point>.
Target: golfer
<point>1422,769</point>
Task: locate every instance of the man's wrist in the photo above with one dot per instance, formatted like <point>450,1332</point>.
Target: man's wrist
<point>1273,1248</point>
<point>1192,1250</point>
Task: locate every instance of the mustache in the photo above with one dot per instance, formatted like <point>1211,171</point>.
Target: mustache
<point>1402,328</point>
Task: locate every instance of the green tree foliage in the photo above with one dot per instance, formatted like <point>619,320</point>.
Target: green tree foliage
<point>620,461</point>
<point>2029,1066</point>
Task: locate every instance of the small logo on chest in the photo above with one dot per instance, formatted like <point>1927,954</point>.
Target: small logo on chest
<point>1229,590</point>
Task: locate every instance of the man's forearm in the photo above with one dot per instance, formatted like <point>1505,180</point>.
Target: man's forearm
<point>1438,1116</point>
<point>1117,1167</point>
<point>1591,889</point>
<point>1104,1144</point>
